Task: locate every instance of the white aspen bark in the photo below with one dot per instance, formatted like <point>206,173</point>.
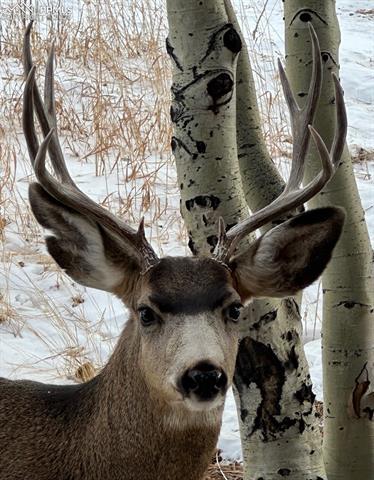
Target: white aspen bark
<point>348,285</point>
<point>278,424</point>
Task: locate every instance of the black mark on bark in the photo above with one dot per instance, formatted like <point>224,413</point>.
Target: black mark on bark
<point>173,145</point>
<point>369,412</point>
<point>292,307</point>
<point>201,147</point>
<point>328,56</point>
<point>257,363</point>
<point>213,40</point>
<point>232,40</point>
<point>305,394</point>
<point>293,360</point>
<point>350,304</point>
<point>203,201</point>
<point>243,414</point>
<point>177,142</point>
<point>284,472</point>
<point>212,241</point>
<point>219,87</point>
<point>264,319</point>
<point>175,113</point>
<point>289,336</point>
<point>306,15</point>
<point>178,93</point>
<point>362,384</point>
<point>170,51</point>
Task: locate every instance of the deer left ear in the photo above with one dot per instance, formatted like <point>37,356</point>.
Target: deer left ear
<point>289,257</point>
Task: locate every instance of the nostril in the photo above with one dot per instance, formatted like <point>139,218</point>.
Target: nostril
<point>189,383</point>
<point>222,381</point>
<point>205,380</point>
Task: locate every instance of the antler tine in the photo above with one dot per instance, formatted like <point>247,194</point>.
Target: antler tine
<point>292,196</point>
<point>28,117</point>
<point>301,118</point>
<point>46,116</point>
<point>65,190</point>
<point>333,157</point>
<point>70,196</point>
<point>341,122</point>
<point>28,65</point>
<point>49,89</point>
<point>49,110</point>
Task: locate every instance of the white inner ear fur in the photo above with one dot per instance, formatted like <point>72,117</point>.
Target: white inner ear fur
<point>259,272</point>
<point>104,275</point>
<point>267,247</point>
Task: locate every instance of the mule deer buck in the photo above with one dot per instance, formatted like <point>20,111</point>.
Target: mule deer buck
<point>154,412</point>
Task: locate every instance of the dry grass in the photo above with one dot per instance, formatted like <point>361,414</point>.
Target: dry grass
<point>225,472</point>
<point>220,470</point>
<point>112,94</point>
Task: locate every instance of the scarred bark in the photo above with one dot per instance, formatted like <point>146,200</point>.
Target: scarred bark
<point>348,285</point>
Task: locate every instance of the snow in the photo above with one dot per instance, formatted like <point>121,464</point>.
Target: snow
<point>47,336</point>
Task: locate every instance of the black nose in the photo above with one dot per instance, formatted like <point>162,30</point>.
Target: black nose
<point>204,380</point>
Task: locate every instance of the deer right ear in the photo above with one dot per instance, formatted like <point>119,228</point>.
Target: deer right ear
<point>80,247</point>
<point>289,257</point>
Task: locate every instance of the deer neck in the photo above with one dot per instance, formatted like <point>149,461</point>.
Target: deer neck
<point>137,424</point>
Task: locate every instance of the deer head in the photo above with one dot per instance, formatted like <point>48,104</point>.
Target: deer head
<point>184,311</point>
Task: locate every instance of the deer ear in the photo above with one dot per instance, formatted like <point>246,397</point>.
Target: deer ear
<point>80,247</point>
<point>290,256</point>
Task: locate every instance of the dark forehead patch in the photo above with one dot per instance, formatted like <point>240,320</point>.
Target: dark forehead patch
<point>189,285</point>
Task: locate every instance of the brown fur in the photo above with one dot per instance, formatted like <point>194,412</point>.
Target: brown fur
<point>125,424</point>
<point>120,425</point>
<point>130,422</point>
<point>86,432</point>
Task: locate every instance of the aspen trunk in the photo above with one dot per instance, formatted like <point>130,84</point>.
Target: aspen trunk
<point>348,285</point>
<point>275,401</point>
<point>204,48</point>
<point>289,440</point>
<point>262,182</point>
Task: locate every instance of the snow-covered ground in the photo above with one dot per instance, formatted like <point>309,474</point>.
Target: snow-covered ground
<point>53,325</point>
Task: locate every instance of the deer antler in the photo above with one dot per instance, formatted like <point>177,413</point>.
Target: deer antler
<point>301,122</point>
<point>65,190</point>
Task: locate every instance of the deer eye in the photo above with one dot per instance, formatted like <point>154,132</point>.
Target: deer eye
<point>233,311</point>
<point>147,316</point>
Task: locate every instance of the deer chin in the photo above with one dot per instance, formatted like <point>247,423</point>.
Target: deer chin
<point>190,414</point>
<point>194,404</point>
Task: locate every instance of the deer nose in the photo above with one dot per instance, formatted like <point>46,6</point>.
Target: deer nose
<point>204,380</point>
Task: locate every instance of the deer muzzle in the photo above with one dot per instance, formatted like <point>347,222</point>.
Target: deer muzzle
<point>204,382</point>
